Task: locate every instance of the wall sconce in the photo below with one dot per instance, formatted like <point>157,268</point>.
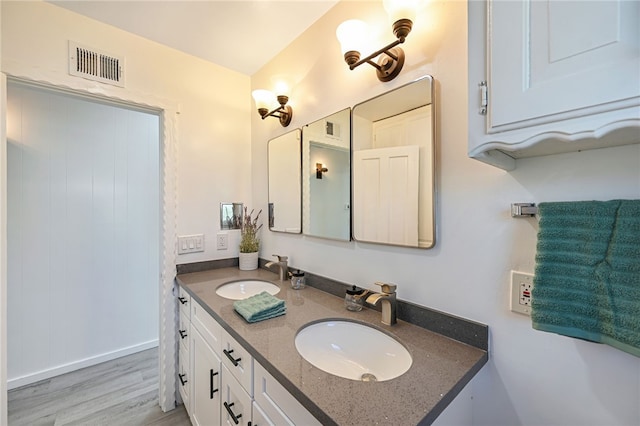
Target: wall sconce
<point>352,35</point>
<point>265,100</point>
<point>320,169</point>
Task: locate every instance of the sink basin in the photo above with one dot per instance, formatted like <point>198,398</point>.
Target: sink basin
<point>352,350</point>
<point>238,290</point>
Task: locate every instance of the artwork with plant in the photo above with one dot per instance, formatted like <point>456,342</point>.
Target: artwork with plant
<point>249,241</point>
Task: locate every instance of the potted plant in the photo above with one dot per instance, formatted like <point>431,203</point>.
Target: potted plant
<point>249,241</point>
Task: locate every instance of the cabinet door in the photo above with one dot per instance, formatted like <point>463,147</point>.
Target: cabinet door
<point>236,403</point>
<point>206,391</point>
<point>555,60</point>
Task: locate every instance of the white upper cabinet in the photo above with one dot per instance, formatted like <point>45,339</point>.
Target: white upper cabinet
<point>560,76</point>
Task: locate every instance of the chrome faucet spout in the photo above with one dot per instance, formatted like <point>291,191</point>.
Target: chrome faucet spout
<point>387,301</point>
<point>282,265</point>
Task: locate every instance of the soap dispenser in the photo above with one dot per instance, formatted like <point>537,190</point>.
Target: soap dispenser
<point>354,299</point>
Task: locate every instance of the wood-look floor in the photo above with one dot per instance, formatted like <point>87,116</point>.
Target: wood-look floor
<point>119,392</point>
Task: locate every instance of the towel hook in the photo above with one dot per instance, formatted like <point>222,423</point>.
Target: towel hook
<point>524,210</point>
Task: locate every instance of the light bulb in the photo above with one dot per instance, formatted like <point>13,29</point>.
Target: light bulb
<point>401,9</point>
<point>264,99</point>
<point>352,35</point>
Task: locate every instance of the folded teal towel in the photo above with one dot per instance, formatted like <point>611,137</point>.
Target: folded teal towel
<point>587,277</point>
<point>260,307</point>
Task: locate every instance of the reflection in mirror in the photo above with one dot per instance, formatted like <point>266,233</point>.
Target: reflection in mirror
<point>393,167</point>
<point>230,215</point>
<point>284,183</point>
<point>326,196</point>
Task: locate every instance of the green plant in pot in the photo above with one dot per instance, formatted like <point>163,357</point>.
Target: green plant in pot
<point>249,241</point>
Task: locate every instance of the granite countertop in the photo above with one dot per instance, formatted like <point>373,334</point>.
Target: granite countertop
<point>440,369</point>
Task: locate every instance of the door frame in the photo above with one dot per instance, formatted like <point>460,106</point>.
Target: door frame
<point>168,111</point>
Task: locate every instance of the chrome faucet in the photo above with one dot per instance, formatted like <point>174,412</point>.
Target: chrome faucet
<point>282,266</point>
<point>387,299</point>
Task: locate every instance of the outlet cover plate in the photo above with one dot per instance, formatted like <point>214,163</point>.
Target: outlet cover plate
<point>521,288</point>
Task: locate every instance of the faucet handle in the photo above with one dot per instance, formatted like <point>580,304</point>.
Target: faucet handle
<point>387,288</point>
<point>281,258</point>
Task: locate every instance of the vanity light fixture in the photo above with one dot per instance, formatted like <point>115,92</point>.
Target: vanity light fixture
<point>264,100</point>
<point>320,169</point>
<point>352,35</point>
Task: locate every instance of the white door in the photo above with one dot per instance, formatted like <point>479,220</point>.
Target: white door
<point>386,181</point>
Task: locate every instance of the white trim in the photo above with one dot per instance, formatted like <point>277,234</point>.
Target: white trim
<point>3,250</point>
<point>168,111</point>
<point>76,365</point>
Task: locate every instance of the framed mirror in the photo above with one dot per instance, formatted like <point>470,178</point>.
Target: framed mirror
<point>393,168</point>
<point>326,177</point>
<point>284,154</point>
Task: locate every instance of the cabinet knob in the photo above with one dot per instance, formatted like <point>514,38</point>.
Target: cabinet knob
<point>183,333</point>
<point>182,300</point>
<point>234,416</point>
<point>234,361</point>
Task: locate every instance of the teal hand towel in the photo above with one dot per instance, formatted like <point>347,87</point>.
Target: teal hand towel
<point>587,276</point>
<point>260,307</point>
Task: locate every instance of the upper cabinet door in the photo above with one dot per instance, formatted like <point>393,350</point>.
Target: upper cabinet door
<point>560,75</point>
<point>554,57</point>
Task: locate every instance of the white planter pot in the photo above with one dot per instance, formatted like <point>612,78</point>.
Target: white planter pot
<point>248,261</point>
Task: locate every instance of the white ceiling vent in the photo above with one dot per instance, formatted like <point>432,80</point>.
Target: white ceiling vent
<point>94,65</point>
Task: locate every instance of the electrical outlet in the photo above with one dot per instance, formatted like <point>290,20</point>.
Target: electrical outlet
<point>222,241</point>
<point>521,289</point>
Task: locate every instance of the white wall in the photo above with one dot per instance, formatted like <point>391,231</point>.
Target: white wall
<point>213,144</point>
<point>532,378</point>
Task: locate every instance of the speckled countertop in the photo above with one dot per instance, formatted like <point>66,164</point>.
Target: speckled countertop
<point>441,366</point>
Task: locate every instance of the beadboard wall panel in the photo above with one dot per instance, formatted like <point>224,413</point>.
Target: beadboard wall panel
<point>83,232</point>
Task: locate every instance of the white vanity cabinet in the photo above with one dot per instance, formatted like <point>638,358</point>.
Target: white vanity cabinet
<point>221,376</point>
<point>548,77</point>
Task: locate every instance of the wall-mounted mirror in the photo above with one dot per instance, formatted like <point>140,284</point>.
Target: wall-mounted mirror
<point>393,167</point>
<point>284,183</point>
<point>326,184</point>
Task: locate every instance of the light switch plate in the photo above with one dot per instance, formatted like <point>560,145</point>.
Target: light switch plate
<point>521,289</point>
<point>190,243</point>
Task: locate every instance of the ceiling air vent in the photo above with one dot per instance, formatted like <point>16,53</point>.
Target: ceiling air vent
<point>94,65</point>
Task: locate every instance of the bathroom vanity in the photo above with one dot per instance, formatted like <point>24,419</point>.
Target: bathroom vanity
<point>274,384</point>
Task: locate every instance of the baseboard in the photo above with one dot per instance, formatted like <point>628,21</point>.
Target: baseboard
<point>77,365</point>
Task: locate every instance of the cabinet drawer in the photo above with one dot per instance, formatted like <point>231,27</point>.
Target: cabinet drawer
<point>184,302</point>
<point>236,403</point>
<point>276,402</point>
<point>259,418</point>
<point>184,379</point>
<point>184,332</point>
<point>238,361</point>
<point>208,327</point>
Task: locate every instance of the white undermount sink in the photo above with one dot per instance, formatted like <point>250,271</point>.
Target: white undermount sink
<point>238,290</point>
<point>353,351</point>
